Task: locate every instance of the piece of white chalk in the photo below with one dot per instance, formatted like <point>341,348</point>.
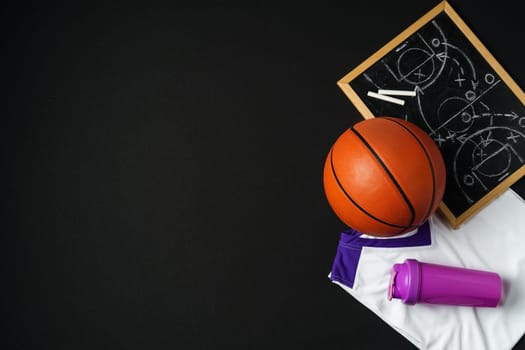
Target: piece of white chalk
<point>397,92</point>
<point>386,98</point>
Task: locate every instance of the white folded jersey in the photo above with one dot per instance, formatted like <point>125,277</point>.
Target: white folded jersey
<point>492,240</point>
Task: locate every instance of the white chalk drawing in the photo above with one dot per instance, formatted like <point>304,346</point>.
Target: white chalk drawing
<point>491,154</point>
<point>484,142</point>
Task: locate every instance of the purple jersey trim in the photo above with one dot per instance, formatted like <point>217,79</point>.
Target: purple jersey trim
<point>351,244</point>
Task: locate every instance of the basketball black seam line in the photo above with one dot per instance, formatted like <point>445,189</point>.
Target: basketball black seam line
<point>394,181</point>
<point>353,201</point>
<point>433,197</point>
<point>427,214</point>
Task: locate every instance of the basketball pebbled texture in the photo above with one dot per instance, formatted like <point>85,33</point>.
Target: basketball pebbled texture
<point>384,176</point>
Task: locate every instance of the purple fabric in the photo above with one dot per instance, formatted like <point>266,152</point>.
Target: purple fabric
<point>351,244</point>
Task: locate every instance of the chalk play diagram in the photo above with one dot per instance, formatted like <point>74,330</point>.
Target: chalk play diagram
<point>458,98</point>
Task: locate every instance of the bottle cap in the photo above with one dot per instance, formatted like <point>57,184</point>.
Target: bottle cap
<point>405,280</point>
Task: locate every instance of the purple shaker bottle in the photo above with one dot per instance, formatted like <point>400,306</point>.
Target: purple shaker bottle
<point>417,282</point>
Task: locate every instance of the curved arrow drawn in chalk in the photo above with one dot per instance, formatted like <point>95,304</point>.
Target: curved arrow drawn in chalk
<point>474,75</point>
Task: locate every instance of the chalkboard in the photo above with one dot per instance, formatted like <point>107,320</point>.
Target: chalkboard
<point>460,95</point>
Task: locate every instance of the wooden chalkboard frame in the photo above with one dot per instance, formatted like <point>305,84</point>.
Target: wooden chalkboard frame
<point>443,7</point>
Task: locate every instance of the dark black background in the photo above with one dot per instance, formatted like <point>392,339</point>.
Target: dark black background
<point>162,171</point>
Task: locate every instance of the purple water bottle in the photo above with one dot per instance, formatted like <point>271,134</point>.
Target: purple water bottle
<point>416,282</point>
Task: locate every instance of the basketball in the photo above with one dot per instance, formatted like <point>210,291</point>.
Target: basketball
<point>384,176</point>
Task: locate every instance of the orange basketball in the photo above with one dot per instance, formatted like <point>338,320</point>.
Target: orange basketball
<point>384,176</point>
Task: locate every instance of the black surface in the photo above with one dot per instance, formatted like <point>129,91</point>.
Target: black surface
<point>462,103</point>
<point>162,172</point>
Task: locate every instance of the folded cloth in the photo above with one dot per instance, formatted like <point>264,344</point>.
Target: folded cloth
<point>492,240</point>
